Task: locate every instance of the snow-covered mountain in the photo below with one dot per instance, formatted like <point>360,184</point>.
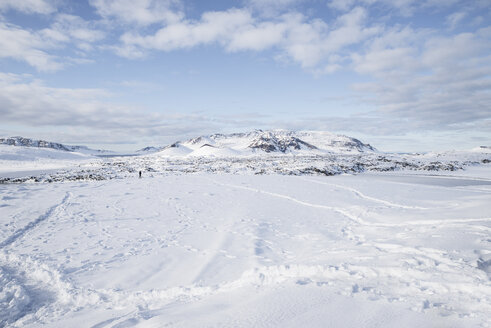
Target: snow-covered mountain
<point>271,142</point>
<point>27,142</point>
<point>149,149</point>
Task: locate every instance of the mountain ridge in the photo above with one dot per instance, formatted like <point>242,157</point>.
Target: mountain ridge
<point>266,142</point>
<point>38,143</point>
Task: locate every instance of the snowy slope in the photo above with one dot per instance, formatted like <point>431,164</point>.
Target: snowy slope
<point>334,142</point>
<point>207,250</point>
<point>148,150</point>
<point>21,158</point>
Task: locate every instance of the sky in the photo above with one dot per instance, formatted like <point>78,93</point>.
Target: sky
<point>403,75</point>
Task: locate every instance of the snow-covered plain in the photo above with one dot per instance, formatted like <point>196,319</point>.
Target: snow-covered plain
<point>16,160</point>
<point>203,249</point>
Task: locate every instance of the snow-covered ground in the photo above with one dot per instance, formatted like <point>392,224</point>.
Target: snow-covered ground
<point>21,161</point>
<point>155,165</point>
<point>405,249</point>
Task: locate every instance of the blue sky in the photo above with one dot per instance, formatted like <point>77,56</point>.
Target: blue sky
<point>404,75</point>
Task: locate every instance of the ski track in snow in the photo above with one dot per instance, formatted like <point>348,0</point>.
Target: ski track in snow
<point>425,278</point>
<point>356,218</point>
<point>362,195</point>
<point>411,276</point>
<point>31,225</point>
<point>341,211</point>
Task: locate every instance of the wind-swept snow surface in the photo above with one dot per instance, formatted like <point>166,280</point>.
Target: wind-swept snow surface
<point>20,161</point>
<point>205,250</point>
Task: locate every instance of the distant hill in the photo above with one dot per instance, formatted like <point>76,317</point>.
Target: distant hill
<point>149,149</point>
<point>27,142</point>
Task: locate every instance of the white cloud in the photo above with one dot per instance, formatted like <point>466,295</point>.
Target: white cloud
<point>386,60</point>
<point>28,46</point>
<point>76,27</point>
<point>258,37</point>
<point>403,7</point>
<point>434,82</point>
<point>141,12</point>
<point>73,29</point>
<point>350,29</point>
<point>275,3</point>
<point>88,114</point>
<point>28,6</point>
<point>270,8</point>
<point>213,27</point>
<point>455,19</point>
<point>39,48</point>
<point>477,21</point>
<point>308,42</point>
<point>455,51</point>
<point>129,51</point>
<point>30,102</point>
<point>343,5</point>
<point>393,52</point>
<point>313,42</point>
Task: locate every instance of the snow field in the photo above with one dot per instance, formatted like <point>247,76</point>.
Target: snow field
<point>228,250</point>
<point>14,160</point>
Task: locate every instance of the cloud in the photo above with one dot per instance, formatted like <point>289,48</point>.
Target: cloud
<point>28,6</point>
<point>394,52</point>
<point>38,48</point>
<point>293,35</point>
<point>31,102</point>
<point>213,27</point>
<point>90,115</point>
<point>269,8</point>
<point>30,47</point>
<point>455,19</point>
<point>403,7</point>
<point>318,45</point>
<point>142,12</point>
<point>258,37</point>
<point>432,83</point>
<point>343,5</point>
<point>73,29</point>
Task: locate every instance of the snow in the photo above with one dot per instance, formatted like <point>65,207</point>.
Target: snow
<point>211,151</point>
<point>404,248</point>
<point>332,142</point>
<point>14,159</point>
<point>173,152</point>
<point>219,234</point>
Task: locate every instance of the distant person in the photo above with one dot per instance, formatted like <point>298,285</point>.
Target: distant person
<point>140,174</point>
